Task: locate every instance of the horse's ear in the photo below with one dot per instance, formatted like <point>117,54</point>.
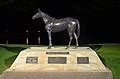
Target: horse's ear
<point>39,9</point>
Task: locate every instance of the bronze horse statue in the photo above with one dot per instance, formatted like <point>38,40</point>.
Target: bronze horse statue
<point>57,25</point>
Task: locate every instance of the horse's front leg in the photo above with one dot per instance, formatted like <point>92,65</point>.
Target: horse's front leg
<point>50,40</point>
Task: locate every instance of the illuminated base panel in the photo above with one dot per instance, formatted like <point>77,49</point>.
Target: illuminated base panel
<point>57,63</point>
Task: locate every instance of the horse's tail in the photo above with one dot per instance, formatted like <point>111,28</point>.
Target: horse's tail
<point>78,29</point>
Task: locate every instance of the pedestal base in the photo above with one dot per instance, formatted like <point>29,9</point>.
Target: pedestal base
<point>57,63</point>
<point>0,76</point>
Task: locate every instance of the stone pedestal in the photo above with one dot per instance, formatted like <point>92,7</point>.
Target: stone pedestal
<point>57,63</point>
<point>0,76</point>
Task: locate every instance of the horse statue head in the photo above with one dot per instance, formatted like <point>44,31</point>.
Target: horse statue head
<point>44,16</point>
<point>38,14</point>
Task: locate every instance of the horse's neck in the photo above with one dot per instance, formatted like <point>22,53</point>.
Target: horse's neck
<point>47,18</point>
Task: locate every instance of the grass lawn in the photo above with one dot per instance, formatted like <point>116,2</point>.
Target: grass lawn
<point>7,55</point>
<point>109,54</point>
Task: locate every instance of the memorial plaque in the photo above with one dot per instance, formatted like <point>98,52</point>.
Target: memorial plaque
<point>82,60</point>
<point>57,60</point>
<point>56,53</point>
<point>32,60</point>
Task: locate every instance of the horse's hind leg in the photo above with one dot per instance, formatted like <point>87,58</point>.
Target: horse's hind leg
<point>71,37</point>
<point>76,38</point>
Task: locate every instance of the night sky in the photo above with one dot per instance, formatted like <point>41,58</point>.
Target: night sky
<point>97,19</point>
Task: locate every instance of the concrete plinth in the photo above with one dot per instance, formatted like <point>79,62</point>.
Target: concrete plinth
<point>0,76</point>
<point>57,63</point>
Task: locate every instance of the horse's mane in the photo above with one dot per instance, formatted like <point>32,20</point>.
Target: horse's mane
<point>47,16</point>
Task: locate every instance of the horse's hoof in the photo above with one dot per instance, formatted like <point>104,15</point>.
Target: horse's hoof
<point>49,47</point>
<point>67,47</point>
<point>76,47</point>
